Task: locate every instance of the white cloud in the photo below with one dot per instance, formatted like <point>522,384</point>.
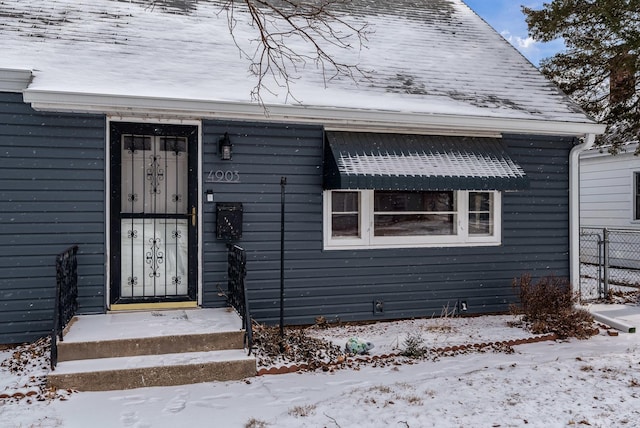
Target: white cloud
<point>534,51</point>
<point>523,44</point>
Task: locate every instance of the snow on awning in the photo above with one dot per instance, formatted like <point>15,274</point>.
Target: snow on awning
<point>359,160</point>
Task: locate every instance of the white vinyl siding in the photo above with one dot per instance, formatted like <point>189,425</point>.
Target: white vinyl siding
<point>608,190</point>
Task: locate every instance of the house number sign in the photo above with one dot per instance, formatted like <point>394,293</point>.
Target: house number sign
<point>222,176</point>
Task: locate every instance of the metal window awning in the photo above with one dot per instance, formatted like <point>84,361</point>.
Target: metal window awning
<point>360,160</point>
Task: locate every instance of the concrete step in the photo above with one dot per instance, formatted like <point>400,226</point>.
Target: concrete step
<point>106,374</point>
<point>127,347</point>
<point>128,350</point>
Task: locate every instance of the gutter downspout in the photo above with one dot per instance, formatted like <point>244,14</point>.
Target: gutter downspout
<point>574,208</point>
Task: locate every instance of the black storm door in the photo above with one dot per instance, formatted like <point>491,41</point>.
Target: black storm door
<point>153,212</point>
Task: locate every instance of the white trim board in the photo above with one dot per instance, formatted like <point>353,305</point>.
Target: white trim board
<point>332,118</point>
<point>14,80</point>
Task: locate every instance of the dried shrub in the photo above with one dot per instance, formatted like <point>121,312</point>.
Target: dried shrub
<point>255,423</point>
<point>302,411</point>
<point>413,400</point>
<point>548,306</point>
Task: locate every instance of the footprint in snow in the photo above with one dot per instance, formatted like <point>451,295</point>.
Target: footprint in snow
<point>213,401</point>
<point>208,402</point>
<point>127,397</point>
<point>135,402</point>
<point>219,396</point>
<point>129,419</point>
<point>177,403</point>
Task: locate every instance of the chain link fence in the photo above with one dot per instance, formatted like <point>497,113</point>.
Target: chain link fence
<point>609,261</point>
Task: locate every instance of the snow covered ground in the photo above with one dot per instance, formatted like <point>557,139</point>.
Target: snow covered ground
<point>548,384</point>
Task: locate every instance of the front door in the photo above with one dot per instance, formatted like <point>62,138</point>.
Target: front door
<point>153,213</point>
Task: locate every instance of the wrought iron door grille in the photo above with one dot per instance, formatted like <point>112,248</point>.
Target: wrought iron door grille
<point>154,220</point>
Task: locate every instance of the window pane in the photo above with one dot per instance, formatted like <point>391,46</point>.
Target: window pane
<point>173,144</point>
<point>134,143</point>
<point>345,225</point>
<point>344,202</point>
<point>345,214</point>
<point>425,213</point>
<point>480,224</point>
<point>480,201</point>
<point>414,225</point>
<point>414,201</point>
<point>481,213</point>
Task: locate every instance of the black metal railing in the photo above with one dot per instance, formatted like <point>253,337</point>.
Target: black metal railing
<point>237,290</point>
<point>66,298</point>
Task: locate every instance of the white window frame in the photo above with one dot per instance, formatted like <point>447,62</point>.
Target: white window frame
<point>367,240</point>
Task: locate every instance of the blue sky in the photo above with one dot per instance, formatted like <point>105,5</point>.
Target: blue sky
<point>507,18</point>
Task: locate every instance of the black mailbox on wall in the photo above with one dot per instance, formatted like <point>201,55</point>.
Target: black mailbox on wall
<point>229,220</point>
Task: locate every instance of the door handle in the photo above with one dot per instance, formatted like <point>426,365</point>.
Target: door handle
<point>193,215</point>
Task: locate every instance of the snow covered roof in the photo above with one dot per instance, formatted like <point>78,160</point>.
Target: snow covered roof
<point>424,61</point>
<point>626,149</point>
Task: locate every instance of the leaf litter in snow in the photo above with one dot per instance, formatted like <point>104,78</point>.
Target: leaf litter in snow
<point>24,369</point>
<point>322,346</point>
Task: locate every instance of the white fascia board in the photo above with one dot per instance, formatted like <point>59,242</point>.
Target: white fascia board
<point>331,118</point>
<point>14,80</point>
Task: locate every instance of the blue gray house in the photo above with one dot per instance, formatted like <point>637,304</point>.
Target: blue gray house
<point>444,170</point>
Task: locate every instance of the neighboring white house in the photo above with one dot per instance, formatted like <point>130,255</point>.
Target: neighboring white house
<point>610,198</point>
<point>610,189</point>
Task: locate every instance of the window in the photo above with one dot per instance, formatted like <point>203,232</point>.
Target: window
<point>173,144</point>
<point>396,219</point>
<point>414,213</point>
<point>481,214</point>
<point>345,214</point>
<point>134,143</point>
<point>636,195</point>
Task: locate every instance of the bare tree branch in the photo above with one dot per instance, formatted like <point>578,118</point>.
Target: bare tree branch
<point>281,25</point>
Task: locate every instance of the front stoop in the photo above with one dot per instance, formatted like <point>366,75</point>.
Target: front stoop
<point>135,350</point>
